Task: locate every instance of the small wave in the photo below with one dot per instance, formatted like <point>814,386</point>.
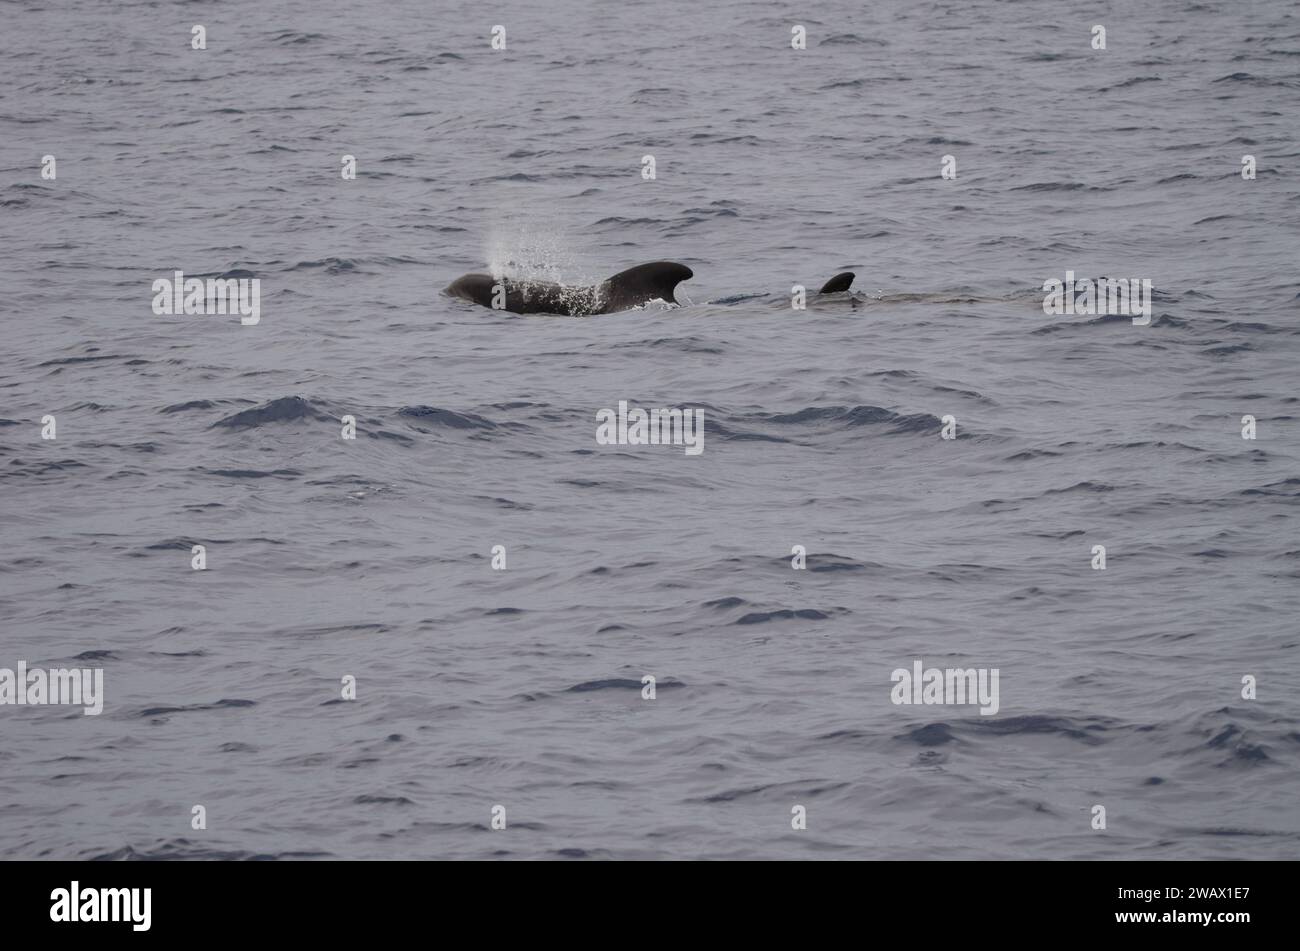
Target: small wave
<point>783,614</point>
<point>184,849</point>
<point>445,418</point>
<point>184,407</point>
<point>1056,187</point>
<point>282,410</point>
<point>854,416</point>
<point>620,683</point>
<point>253,473</point>
<point>193,708</point>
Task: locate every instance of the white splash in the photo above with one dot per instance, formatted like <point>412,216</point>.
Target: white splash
<point>529,250</point>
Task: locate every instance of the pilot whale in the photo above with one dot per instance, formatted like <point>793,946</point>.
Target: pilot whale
<point>631,288</point>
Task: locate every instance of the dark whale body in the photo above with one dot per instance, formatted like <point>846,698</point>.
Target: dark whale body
<point>630,288</point>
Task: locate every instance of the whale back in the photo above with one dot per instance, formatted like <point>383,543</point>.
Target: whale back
<point>630,288</point>
<point>840,282</point>
<point>526,297</point>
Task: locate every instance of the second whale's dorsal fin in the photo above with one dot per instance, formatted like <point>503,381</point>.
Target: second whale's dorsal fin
<point>645,282</point>
<point>840,282</point>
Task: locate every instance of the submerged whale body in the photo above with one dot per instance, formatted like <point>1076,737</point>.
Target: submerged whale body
<point>631,288</point>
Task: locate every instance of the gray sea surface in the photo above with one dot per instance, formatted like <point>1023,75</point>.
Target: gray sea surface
<point>522,688</point>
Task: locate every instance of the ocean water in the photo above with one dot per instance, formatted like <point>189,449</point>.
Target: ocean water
<point>521,688</point>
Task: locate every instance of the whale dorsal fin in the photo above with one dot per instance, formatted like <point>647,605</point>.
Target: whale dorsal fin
<point>645,282</point>
<point>840,282</point>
